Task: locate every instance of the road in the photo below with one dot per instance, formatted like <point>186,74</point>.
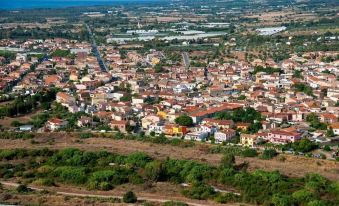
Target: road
<point>78,194</point>
<point>186,59</point>
<point>96,51</point>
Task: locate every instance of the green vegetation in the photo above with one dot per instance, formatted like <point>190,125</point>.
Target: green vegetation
<point>15,135</point>
<point>267,70</point>
<point>172,203</point>
<point>61,53</point>
<point>268,154</point>
<point>304,145</point>
<point>26,104</point>
<point>248,115</point>
<point>157,139</point>
<point>301,87</point>
<point>314,121</point>
<point>7,55</point>
<point>297,74</point>
<point>130,197</point>
<point>103,171</point>
<point>249,152</point>
<point>184,120</point>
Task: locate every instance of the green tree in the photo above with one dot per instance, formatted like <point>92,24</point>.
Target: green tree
<point>303,196</point>
<point>227,160</point>
<point>23,189</point>
<point>130,197</point>
<point>330,132</point>
<point>268,154</point>
<point>184,120</point>
<point>154,171</point>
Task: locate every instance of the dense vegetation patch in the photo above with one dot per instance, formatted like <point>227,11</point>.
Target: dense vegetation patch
<point>103,171</point>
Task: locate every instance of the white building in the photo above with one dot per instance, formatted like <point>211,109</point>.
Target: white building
<point>224,135</point>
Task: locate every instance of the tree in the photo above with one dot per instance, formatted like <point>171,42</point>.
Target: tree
<point>154,171</point>
<point>269,154</point>
<point>15,123</point>
<point>184,120</point>
<point>172,203</point>
<point>249,152</point>
<point>330,132</point>
<point>327,148</point>
<point>130,197</point>
<point>23,189</point>
<point>227,160</point>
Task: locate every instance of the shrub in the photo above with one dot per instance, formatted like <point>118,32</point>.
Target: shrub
<point>248,152</point>
<point>23,189</point>
<point>302,196</point>
<point>226,198</point>
<point>85,135</point>
<point>227,160</point>
<point>44,182</point>
<point>173,203</point>
<point>282,200</point>
<point>268,154</point>
<point>130,197</point>
<point>184,120</point>
<point>199,191</point>
<point>154,171</point>
<point>73,175</point>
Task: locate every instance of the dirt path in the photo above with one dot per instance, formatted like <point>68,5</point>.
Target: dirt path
<point>142,197</point>
<point>294,166</point>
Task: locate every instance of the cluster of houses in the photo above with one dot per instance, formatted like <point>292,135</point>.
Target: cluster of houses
<point>134,93</point>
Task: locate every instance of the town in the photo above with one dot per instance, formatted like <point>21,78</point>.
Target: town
<point>258,85</point>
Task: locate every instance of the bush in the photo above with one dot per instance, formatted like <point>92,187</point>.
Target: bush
<point>268,154</point>
<point>15,123</point>
<point>199,191</point>
<point>154,171</point>
<point>302,196</point>
<point>282,200</point>
<point>23,189</point>
<point>173,203</point>
<point>227,160</point>
<point>44,182</point>
<point>248,152</point>
<point>327,148</point>
<point>74,175</point>
<point>85,135</point>
<point>226,198</point>
<point>130,197</point>
<point>184,120</point>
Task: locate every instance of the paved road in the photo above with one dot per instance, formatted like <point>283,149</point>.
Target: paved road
<point>12,184</point>
<point>186,59</point>
<point>96,51</point>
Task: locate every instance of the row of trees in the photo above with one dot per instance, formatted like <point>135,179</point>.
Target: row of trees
<point>25,104</point>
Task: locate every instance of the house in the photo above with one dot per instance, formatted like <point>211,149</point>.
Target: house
<point>121,125</point>
<point>328,118</point>
<point>335,127</point>
<point>64,98</point>
<point>171,129</point>
<point>147,121</point>
<point>84,121</point>
<point>196,136</point>
<point>282,137</point>
<point>243,126</point>
<point>158,128</point>
<point>56,124</point>
<point>221,124</point>
<point>248,140</point>
<point>224,135</point>
<point>26,128</point>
